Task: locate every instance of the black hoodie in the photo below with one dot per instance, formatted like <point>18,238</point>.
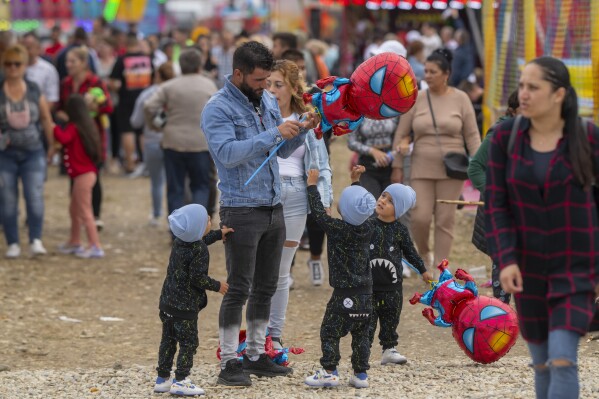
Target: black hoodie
<point>347,247</point>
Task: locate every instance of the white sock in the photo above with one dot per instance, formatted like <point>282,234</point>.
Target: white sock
<point>254,358</point>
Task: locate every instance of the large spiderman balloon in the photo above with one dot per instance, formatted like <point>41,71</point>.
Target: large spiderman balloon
<point>384,86</point>
<point>485,328</point>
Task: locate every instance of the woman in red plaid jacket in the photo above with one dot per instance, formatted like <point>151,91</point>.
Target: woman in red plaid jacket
<point>542,222</point>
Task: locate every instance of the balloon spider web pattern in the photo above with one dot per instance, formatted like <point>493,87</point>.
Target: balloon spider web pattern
<point>384,87</point>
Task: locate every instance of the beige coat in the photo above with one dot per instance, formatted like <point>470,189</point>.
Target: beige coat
<point>457,127</point>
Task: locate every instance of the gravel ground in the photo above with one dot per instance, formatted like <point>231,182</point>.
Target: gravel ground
<point>457,378</point>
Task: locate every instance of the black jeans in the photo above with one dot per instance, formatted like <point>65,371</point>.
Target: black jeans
<point>315,235</point>
<point>346,314</point>
<point>184,332</point>
<point>253,255</point>
<point>498,292</point>
<point>386,308</point>
<point>374,179</point>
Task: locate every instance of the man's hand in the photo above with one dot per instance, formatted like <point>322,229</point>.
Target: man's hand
<point>380,157</point>
<point>310,120</point>
<point>226,230</point>
<point>356,172</point>
<point>289,129</point>
<point>397,175</point>
<point>312,177</point>
<point>511,279</point>
<point>224,287</point>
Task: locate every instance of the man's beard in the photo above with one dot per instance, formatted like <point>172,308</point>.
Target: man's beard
<point>250,93</point>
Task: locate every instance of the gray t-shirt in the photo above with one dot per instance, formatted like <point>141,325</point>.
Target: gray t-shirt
<point>29,138</point>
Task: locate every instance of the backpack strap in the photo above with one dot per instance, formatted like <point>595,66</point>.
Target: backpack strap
<point>513,133</point>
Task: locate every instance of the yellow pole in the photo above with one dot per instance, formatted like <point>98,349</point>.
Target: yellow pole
<point>595,57</point>
<point>489,40</point>
<point>530,30</point>
<point>562,28</point>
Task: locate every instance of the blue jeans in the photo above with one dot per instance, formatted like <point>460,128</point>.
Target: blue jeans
<point>154,160</point>
<point>556,382</point>
<point>294,198</point>
<point>30,167</point>
<point>197,166</point>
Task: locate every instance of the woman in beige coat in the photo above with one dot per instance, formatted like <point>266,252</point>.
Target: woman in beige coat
<point>457,131</point>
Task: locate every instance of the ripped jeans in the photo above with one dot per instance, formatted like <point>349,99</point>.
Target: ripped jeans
<point>556,382</point>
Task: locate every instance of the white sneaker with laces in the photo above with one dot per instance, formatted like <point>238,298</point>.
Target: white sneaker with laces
<point>37,248</point>
<point>316,272</point>
<point>359,380</point>
<point>322,379</point>
<point>13,251</point>
<point>185,388</point>
<point>392,356</point>
<point>163,384</point>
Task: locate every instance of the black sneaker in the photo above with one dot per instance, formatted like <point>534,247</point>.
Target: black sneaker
<point>233,375</point>
<point>264,367</point>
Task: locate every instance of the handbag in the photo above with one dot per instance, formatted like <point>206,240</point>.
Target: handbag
<point>456,163</point>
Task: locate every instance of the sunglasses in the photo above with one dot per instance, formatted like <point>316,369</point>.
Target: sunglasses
<point>16,64</point>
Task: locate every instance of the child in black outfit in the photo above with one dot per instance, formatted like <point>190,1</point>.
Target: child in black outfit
<point>391,242</point>
<point>350,306</point>
<point>184,295</point>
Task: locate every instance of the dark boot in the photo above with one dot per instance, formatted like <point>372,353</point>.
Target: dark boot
<point>264,367</point>
<point>232,375</point>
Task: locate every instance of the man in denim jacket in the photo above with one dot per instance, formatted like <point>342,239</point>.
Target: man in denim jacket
<point>242,124</point>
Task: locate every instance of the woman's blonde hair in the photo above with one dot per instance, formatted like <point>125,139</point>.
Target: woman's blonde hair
<point>16,51</point>
<point>82,53</point>
<point>293,79</point>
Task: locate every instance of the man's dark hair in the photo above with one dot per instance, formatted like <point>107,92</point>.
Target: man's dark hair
<point>252,55</point>
<point>288,39</point>
<point>80,35</point>
<point>293,55</point>
<point>32,35</point>
<point>190,61</point>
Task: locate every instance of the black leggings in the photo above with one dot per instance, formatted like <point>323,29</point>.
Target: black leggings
<point>315,236</point>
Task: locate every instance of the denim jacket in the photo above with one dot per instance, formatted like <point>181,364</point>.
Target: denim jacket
<point>316,157</point>
<point>239,144</point>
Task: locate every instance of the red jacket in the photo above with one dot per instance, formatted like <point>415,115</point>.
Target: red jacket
<point>75,158</point>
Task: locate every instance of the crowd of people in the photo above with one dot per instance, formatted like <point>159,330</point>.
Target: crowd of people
<point>193,109</point>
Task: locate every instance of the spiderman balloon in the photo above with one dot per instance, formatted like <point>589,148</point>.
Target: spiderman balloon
<point>384,86</point>
<point>485,328</point>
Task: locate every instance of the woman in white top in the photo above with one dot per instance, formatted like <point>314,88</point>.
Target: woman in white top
<point>285,83</point>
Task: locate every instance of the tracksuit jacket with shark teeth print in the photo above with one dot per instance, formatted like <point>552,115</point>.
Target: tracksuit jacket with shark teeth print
<point>390,242</point>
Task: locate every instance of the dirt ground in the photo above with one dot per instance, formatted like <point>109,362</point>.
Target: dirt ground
<point>36,293</point>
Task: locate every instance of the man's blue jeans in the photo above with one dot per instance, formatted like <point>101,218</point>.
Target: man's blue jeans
<point>30,167</point>
<point>197,166</point>
<point>556,382</point>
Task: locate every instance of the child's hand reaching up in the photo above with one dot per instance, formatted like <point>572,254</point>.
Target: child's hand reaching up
<point>224,287</point>
<point>356,172</point>
<point>427,277</point>
<point>226,230</point>
<point>312,177</point>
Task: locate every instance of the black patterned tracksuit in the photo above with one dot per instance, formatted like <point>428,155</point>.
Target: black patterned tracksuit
<point>183,296</point>
<point>389,243</point>
<point>349,308</point>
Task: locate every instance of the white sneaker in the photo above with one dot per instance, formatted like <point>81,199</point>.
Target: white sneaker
<point>37,248</point>
<point>323,379</point>
<point>185,388</point>
<point>406,272</point>
<point>163,384</point>
<point>359,380</point>
<point>316,272</point>
<point>154,221</point>
<point>392,356</point>
<point>13,251</point>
